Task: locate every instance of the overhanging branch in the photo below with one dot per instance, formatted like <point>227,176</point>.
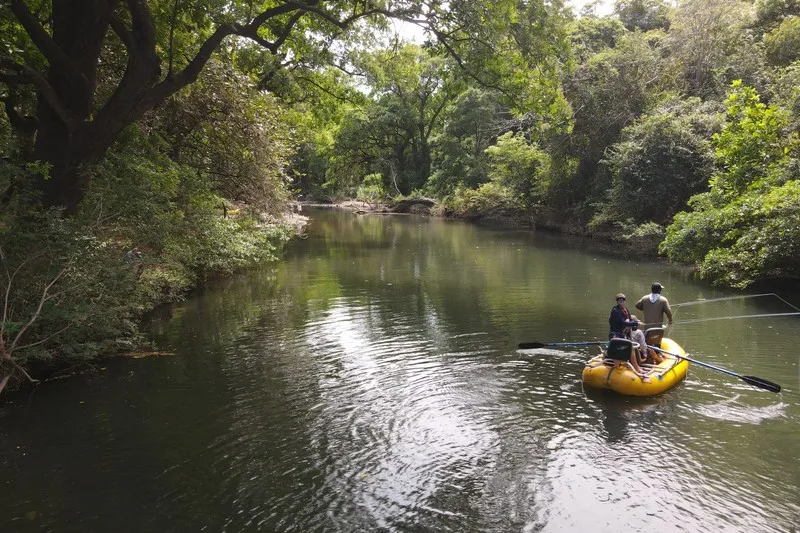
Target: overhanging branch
<point>457,58</point>
<point>341,24</point>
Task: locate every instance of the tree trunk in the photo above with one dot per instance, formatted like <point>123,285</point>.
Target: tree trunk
<point>78,32</point>
<point>53,145</point>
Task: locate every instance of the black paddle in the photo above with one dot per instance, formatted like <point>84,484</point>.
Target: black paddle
<point>752,380</point>
<point>532,345</point>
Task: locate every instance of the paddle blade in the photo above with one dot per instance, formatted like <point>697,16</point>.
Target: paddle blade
<point>530,345</point>
<point>761,383</point>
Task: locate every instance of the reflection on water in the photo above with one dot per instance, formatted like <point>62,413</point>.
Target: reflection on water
<point>371,382</point>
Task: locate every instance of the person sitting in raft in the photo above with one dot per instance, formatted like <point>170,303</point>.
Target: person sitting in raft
<point>619,319</point>
<point>619,322</point>
<point>645,354</point>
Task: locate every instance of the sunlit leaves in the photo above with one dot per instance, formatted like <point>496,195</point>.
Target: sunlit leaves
<point>752,140</point>
<point>746,227</point>
<point>643,15</point>
<point>783,43</point>
<point>519,166</point>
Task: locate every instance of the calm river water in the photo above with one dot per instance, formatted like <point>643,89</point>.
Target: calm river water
<point>371,382</point>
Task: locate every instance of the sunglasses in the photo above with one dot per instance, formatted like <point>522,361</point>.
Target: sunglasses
<point>620,299</point>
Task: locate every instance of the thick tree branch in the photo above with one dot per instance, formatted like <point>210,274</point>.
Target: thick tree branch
<point>21,123</point>
<point>429,129</point>
<point>143,27</point>
<point>189,74</point>
<point>46,90</point>
<point>341,24</point>
<point>46,45</point>
<point>118,25</point>
<point>173,20</point>
<point>285,32</point>
<point>21,370</point>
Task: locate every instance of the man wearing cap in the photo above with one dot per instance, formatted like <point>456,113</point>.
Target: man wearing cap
<point>654,306</point>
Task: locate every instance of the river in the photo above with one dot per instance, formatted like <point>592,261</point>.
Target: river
<point>371,382</point>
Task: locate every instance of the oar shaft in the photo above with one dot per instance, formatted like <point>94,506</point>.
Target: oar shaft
<point>585,343</point>
<point>752,380</point>
<point>695,361</point>
<point>534,345</point>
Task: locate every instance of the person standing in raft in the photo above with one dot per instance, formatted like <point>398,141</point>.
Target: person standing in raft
<point>620,324</point>
<point>654,307</point>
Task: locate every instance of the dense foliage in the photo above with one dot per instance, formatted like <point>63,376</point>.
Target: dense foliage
<point>746,226</point>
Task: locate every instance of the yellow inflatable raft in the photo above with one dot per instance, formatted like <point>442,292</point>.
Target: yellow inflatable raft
<point>604,372</point>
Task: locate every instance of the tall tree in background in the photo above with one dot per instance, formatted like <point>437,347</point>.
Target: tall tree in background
<point>642,15</point>
<point>607,92</point>
<point>704,41</point>
<point>472,124</point>
<point>409,88</point>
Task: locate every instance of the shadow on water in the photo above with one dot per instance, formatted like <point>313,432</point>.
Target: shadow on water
<point>620,413</point>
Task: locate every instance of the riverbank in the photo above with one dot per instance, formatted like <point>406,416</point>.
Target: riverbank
<point>640,242</point>
<point>93,307</point>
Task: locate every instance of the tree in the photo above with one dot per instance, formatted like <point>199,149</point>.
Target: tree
<point>769,13</point>
<point>608,92</point>
<point>145,45</point>
<point>753,142</point>
<point>704,39</point>
<point>472,123</point>
<point>747,226</point>
<point>519,166</point>
<point>590,35</point>
<point>786,91</point>
<point>374,140</point>
<point>410,87</point>
<point>783,43</point>
<point>98,66</point>
<point>643,15</point>
<point>661,160</point>
<point>230,133</point>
